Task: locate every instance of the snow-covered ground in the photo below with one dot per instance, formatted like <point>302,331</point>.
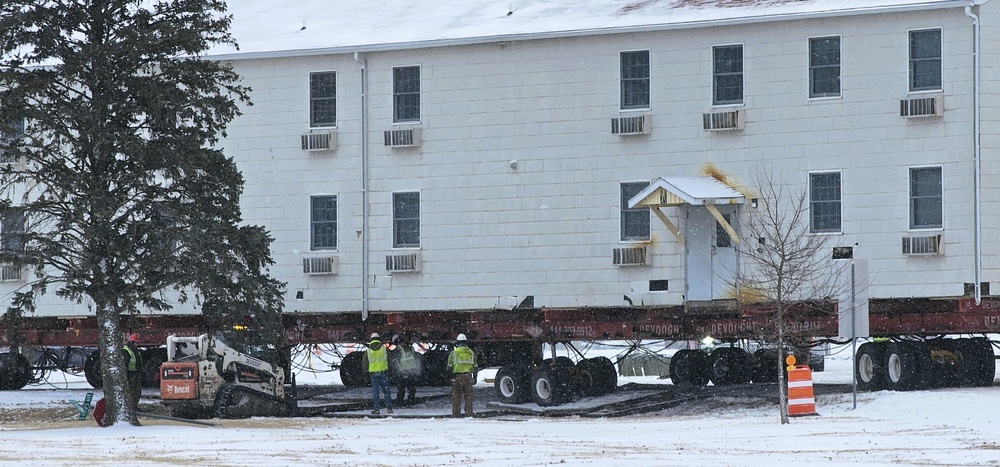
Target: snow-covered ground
<point>945,427</point>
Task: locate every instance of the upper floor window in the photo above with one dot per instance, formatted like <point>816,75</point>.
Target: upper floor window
<point>323,222</point>
<point>926,202</point>
<point>727,74</point>
<point>406,94</point>
<point>323,99</point>
<point>925,60</point>
<point>10,136</point>
<point>824,202</point>
<point>635,79</point>
<point>406,219</point>
<point>824,67</point>
<point>634,222</point>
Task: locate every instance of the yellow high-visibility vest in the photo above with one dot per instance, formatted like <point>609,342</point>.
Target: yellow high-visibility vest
<point>378,361</point>
<point>462,360</point>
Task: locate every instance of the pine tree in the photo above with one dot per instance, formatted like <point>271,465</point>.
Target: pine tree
<point>114,191</point>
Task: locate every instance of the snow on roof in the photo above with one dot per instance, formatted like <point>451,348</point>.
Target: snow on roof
<point>685,190</point>
<point>343,26</point>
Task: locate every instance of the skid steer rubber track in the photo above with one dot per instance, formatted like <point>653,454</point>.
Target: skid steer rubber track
<point>234,401</point>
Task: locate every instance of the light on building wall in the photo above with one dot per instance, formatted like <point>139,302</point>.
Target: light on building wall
<point>299,296</point>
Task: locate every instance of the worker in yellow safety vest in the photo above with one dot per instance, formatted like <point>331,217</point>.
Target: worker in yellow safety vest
<point>134,370</point>
<point>407,365</point>
<point>462,363</point>
<point>377,363</point>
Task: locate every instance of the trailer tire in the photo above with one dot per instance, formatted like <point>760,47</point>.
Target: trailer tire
<point>729,365</point>
<point>590,378</point>
<point>766,366</point>
<point>513,384</point>
<point>605,375</point>
<point>152,359</point>
<point>550,386</point>
<point>92,370</point>
<point>689,368</point>
<point>351,373</point>
<point>904,365</point>
<point>978,362</point>
<point>436,368</point>
<point>15,371</point>
<point>870,370</point>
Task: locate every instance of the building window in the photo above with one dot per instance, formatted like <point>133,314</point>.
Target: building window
<point>824,202</point>
<point>323,99</point>
<point>406,94</point>
<point>824,67</point>
<point>10,137</point>
<point>635,222</point>
<point>635,79</point>
<point>323,222</point>
<point>13,226</point>
<point>727,82</point>
<point>926,204</point>
<point>406,220</point>
<point>925,60</point>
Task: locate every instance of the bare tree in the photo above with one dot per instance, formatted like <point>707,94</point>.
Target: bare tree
<point>785,267</point>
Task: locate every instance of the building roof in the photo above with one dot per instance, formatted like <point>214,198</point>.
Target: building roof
<point>674,191</point>
<point>306,27</point>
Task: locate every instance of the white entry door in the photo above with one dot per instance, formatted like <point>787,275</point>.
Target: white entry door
<point>712,262</point>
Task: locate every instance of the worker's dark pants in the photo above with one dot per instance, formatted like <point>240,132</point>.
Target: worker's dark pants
<point>406,384</point>
<point>461,386</point>
<point>380,383</point>
<point>134,390</point>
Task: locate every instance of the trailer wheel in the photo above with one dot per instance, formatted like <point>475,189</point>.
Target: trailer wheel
<point>904,365</point>
<point>605,375</point>
<point>689,368</point>
<point>588,378</point>
<point>351,373</point>
<point>978,361</point>
<point>92,370</point>
<point>766,366</point>
<point>436,368</point>
<point>729,365</point>
<point>152,359</point>
<point>870,372</point>
<point>550,385</point>
<point>513,384</point>
<point>15,371</point>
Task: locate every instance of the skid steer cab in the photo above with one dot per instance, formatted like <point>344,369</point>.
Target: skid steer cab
<point>205,377</point>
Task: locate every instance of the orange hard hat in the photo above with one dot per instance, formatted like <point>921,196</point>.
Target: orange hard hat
<point>133,338</point>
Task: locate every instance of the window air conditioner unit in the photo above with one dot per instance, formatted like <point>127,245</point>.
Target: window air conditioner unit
<point>923,245</point>
<point>631,256</point>
<point>402,263</point>
<point>921,107</point>
<point>402,138</point>
<point>316,142</point>
<point>320,265</point>
<point>634,125</point>
<point>722,121</point>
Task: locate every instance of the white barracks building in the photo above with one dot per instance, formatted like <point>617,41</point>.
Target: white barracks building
<point>481,154</point>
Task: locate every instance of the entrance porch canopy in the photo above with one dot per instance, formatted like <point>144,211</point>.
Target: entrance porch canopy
<point>696,191</point>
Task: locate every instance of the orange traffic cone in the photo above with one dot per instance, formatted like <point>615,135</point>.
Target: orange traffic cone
<point>800,390</point>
